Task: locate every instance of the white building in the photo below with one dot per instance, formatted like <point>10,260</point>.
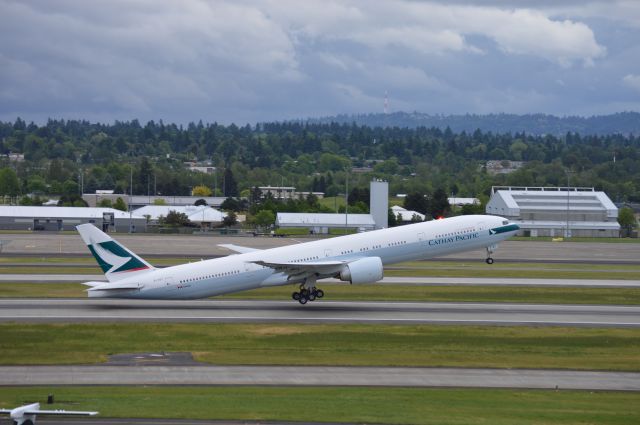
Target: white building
<point>321,223</point>
<point>137,201</point>
<point>556,211</point>
<point>202,215</point>
<point>406,215</point>
<point>67,218</point>
<point>459,202</point>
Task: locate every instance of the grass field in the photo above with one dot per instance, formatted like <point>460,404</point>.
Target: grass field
<point>345,292</point>
<point>338,404</point>
<point>328,344</point>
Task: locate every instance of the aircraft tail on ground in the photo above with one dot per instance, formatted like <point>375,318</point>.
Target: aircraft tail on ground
<point>115,260</point>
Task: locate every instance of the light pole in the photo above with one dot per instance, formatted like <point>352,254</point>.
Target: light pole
<point>568,231</point>
<point>130,196</point>
<point>346,202</point>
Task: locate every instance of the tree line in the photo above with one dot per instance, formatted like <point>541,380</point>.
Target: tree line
<point>64,157</point>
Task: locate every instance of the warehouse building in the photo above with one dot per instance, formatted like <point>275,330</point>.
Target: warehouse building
<point>67,218</point>
<point>138,201</point>
<point>203,215</point>
<point>556,211</point>
<point>321,223</point>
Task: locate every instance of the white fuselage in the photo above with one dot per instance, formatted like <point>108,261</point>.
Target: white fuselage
<point>238,272</point>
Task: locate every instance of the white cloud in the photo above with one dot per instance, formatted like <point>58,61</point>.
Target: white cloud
<point>246,60</point>
<point>632,81</point>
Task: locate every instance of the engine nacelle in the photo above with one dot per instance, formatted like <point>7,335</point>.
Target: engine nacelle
<point>364,270</point>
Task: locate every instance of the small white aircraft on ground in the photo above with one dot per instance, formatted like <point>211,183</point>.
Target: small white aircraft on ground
<point>357,259</point>
<point>26,415</point>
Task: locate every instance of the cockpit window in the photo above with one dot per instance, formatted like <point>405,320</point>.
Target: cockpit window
<point>505,222</point>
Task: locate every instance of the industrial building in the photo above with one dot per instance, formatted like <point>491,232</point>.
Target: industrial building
<point>556,211</point>
<point>138,201</point>
<point>67,218</point>
<point>321,223</point>
<point>203,215</point>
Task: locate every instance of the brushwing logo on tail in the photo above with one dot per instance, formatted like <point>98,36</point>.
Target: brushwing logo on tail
<point>112,258</point>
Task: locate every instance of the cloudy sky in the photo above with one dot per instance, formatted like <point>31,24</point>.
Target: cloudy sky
<point>249,61</point>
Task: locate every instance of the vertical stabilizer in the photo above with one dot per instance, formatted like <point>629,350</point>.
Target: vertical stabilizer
<point>116,261</point>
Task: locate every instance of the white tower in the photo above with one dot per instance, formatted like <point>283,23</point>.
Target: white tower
<point>379,201</point>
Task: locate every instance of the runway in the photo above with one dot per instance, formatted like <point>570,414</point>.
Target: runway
<point>84,310</point>
<point>414,281</point>
<point>318,376</point>
<point>206,246</point>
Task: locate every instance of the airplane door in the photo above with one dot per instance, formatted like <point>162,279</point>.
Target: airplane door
<point>327,253</point>
<point>422,238</point>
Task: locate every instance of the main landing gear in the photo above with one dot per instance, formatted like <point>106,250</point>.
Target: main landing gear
<point>305,295</point>
<point>308,291</point>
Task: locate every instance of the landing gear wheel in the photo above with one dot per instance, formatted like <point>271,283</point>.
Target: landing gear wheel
<point>303,300</point>
<point>489,260</point>
<point>295,296</point>
<point>319,293</point>
<point>312,296</point>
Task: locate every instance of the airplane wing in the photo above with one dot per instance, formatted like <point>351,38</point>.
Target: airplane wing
<point>237,248</point>
<point>307,268</point>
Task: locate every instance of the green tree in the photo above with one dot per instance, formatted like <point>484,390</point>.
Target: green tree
<point>393,222</point>
<point>440,203</point>
<point>175,218</point>
<point>106,203</point>
<point>264,218</point>
<point>120,205</point>
<point>417,201</point>
<point>230,219</point>
<point>627,220</point>
<point>9,183</point>
<point>201,190</point>
<point>230,185</point>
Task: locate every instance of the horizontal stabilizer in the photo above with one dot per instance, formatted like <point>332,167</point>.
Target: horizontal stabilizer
<point>60,412</point>
<point>237,248</point>
<point>109,286</point>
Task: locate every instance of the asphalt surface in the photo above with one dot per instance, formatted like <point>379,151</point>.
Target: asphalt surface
<point>53,244</point>
<point>415,281</point>
<point>84,310</point>
<point>318,376</point>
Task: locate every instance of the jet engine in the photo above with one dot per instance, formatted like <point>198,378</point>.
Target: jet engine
<point>364,270</point>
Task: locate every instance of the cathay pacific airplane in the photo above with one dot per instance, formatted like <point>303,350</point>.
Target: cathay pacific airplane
<point>357,259</point>
<point>26,415</point>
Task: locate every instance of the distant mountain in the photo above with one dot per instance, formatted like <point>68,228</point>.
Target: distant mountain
<point>537,124</point>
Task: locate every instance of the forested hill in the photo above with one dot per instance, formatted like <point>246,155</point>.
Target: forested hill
<point>537,124</point>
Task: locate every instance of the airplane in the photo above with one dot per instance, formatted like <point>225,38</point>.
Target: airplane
<point>358,259</point>
<point>26,415</point>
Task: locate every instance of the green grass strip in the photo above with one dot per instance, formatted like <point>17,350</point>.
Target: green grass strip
<point>339,404</point>
<point>328,344</point>
<point>344,292</point>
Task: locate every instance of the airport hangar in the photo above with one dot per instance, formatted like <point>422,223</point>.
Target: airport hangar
<point>556,211</point>
<point>67,218</point>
